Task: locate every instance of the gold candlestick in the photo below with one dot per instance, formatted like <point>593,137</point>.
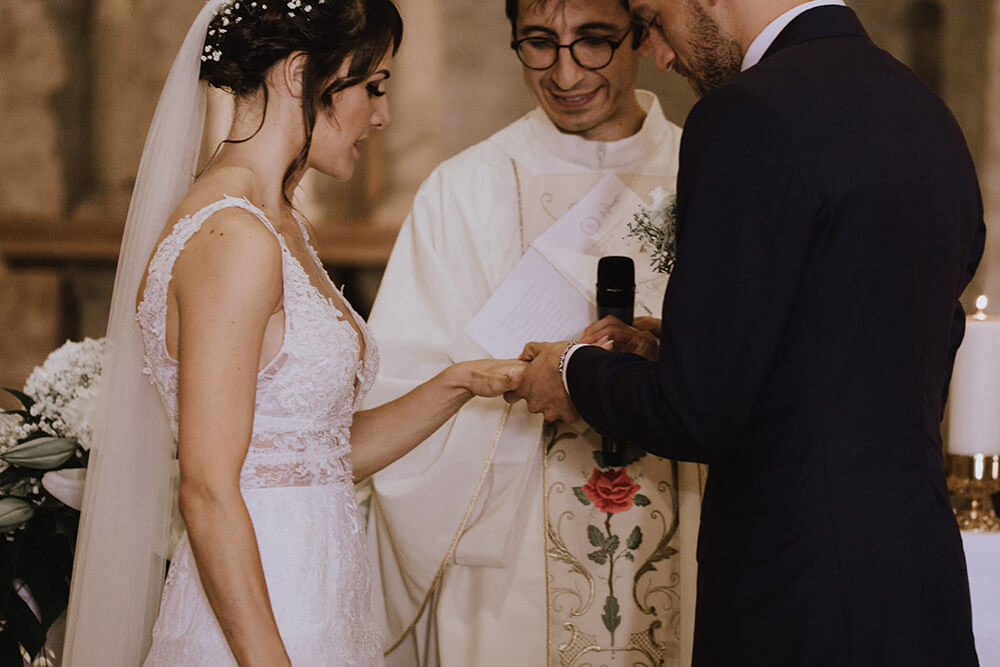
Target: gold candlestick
<point>974,478</point>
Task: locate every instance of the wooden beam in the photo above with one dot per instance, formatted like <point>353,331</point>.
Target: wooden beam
<point>34,241</point>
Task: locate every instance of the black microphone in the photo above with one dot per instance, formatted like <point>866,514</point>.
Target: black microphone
<point>615,296</point>
<point>616,287</point>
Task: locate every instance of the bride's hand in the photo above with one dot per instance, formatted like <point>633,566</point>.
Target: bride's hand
<point>488,377</point>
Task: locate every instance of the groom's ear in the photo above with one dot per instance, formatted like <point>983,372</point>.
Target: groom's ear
<point>292,71</point>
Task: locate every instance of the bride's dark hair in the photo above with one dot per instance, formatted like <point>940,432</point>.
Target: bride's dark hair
<point>247,38</point>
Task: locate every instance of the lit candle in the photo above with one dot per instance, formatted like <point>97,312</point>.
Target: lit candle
<point>974,403</point>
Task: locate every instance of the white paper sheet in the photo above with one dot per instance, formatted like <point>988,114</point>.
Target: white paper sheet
<point>596,226</point>
<point>550,295</point>
<point>534,303</point>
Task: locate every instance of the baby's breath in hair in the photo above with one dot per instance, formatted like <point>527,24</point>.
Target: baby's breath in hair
<point>237,12</point>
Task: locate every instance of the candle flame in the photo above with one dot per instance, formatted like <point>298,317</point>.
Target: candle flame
<point>981,302</point>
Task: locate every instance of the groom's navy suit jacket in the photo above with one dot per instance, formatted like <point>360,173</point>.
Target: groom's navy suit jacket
<point>830,217</point>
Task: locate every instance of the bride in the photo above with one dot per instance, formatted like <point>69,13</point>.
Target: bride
<point>260,363</point>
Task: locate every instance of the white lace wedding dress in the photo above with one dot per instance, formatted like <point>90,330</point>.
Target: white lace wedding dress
<point>296,479</point>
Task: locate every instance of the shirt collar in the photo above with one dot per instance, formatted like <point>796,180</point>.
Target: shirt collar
<point>600,155</point>
<point>759,46</point>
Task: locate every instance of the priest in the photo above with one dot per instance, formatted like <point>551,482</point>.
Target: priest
<point>503,539</point>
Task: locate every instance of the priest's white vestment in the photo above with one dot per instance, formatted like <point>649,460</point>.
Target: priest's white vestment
<point>502,540</point>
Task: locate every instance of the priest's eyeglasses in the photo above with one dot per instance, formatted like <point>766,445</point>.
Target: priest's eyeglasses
<point>541,53</point>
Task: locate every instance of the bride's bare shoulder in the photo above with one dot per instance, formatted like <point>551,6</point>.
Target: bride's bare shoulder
<point>228,241</point>
<point>231,236</point>
<point>231,258</point>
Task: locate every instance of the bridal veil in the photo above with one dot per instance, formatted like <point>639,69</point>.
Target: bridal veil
<point>122,545</point>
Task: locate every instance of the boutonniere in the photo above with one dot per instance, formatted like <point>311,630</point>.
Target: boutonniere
<point>655,227</point>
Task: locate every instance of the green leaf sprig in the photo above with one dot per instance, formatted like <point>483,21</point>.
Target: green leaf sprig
<point>655,226</point>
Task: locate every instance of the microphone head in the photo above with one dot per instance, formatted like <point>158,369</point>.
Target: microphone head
<point>616,272</point>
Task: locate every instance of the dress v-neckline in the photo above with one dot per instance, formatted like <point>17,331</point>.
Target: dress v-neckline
<point>345,306</point>
<point>343,310</point>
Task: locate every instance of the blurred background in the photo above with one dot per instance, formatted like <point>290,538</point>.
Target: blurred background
<point>79,80</point>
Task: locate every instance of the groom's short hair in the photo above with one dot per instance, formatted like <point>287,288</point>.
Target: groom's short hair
<point>513,4</point>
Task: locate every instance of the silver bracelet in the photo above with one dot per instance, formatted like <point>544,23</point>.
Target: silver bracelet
<point>561,368</point>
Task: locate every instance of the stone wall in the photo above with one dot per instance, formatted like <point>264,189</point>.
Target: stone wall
<point>32,63</point>
<point>988,279</point>
<point>32,59</point>
<point>80,80</point>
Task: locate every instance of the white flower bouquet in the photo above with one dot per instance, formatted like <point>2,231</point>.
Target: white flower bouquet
<point>44,447</point>
<point>63,389</point>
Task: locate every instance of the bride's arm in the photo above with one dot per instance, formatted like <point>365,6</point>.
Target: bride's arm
<point>227,283</point>
<point>382,434</point>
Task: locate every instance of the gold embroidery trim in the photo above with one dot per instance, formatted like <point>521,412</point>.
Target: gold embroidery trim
<point>545,547</point>
<point>520,205</point>
<point>446,561</point>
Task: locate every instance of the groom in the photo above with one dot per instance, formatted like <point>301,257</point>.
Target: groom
<point>497,559</point>
<point>829,219</point>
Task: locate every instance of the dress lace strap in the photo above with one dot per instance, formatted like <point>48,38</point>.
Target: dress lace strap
<point>152,310</point>
<point>162,264</point>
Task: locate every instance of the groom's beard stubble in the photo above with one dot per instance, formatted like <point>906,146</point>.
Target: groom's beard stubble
<point>716,57</point>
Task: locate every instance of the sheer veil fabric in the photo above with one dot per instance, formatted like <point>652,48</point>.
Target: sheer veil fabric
<point>121,549</point>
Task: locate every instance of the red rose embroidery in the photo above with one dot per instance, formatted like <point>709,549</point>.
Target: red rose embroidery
<point>612,490</point>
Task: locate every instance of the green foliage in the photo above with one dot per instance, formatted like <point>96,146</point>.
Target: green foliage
<point>38,539</point>
<point>600,556</point>
<point>606,545</point>
<point>22,398</point>
<point>580,495</point>
<point>611,617</point>
<point>634,538</point>
<point>14,512</point>
<point>21,623</point>
<point>44,453</point>
<point>630,454</point>
<point>656,229</point>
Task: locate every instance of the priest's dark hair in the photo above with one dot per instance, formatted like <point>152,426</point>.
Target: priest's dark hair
<point>512,6</point>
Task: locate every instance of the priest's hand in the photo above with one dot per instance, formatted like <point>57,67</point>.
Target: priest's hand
<point>643,338</point>
<point>541,384</point>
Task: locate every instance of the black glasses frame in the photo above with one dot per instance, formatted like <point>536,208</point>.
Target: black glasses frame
<point>635,29</point>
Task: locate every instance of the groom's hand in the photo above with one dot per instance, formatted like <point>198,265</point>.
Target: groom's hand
<point>541,384</point>
<point>642,338</point>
